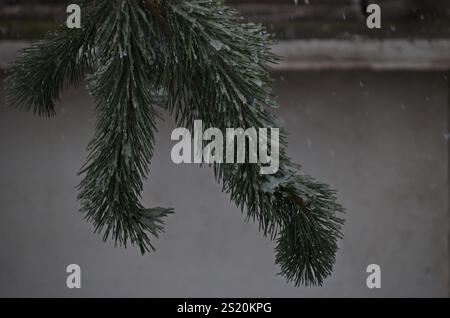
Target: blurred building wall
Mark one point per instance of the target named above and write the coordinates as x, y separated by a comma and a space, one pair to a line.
379, 138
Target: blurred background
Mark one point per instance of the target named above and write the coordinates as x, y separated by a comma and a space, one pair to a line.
367, 111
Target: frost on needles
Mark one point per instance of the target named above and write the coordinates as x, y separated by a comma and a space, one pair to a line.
197, 60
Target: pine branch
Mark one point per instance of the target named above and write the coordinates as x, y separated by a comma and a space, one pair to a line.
42, 71
123, 145
227, 64
209, 66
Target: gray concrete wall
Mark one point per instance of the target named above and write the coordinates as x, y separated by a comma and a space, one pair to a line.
379, 138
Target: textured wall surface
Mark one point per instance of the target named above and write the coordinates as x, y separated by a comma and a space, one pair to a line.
379, 138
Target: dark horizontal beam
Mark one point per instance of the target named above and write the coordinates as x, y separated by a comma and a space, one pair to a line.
277, 11
265, 9
308, 20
